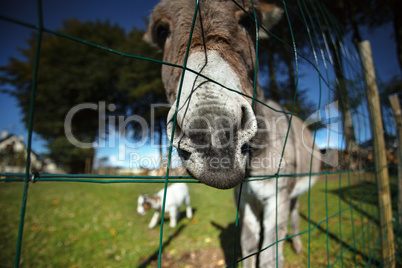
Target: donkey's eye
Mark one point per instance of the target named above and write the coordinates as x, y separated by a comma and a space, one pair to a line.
247, 23
162, 32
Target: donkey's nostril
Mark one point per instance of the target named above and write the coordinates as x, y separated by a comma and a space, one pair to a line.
243, 120
247, 117
248, 125
245, 149
184, 155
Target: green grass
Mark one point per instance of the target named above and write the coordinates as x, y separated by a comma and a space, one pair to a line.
343, 224
96, 225
92, 225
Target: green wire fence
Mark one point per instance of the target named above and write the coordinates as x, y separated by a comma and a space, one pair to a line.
355, 185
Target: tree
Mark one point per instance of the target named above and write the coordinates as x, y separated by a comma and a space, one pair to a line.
277, 59
71, 157
144, 77
73, 73
375, 13
389, 88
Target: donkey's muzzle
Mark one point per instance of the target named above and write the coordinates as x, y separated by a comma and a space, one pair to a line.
211, 135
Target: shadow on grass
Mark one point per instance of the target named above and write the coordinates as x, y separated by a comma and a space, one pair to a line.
336, 238
154, 256
366, 192
226, 238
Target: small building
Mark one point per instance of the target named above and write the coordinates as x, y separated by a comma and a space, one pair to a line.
13, 154
132, 172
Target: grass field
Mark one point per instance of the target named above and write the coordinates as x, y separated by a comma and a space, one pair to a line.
96, 225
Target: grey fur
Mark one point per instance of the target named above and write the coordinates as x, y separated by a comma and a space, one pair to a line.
220, 138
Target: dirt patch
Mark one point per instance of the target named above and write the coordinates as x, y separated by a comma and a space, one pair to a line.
203, 258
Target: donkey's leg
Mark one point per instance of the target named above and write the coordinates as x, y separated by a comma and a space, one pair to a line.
154, 220
250, 234
294, 225
273, 232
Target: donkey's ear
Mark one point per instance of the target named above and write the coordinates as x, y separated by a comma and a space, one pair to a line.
271, 14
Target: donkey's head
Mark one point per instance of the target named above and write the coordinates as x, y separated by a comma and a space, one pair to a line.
215, 122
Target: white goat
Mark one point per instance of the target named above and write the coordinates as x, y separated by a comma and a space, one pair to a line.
177, 196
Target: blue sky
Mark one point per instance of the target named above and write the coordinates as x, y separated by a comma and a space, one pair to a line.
128, 14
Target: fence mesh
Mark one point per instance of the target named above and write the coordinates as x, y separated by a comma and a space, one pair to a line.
340, 211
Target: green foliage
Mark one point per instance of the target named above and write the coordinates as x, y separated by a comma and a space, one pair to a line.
72, 73
277, 60
71, 157
144, 76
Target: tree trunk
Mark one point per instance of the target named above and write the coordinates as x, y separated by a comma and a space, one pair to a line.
357, 38
396, 110
348, 128
397, 7
273, 85
288, 59
88, 165
291, 75
160, 144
